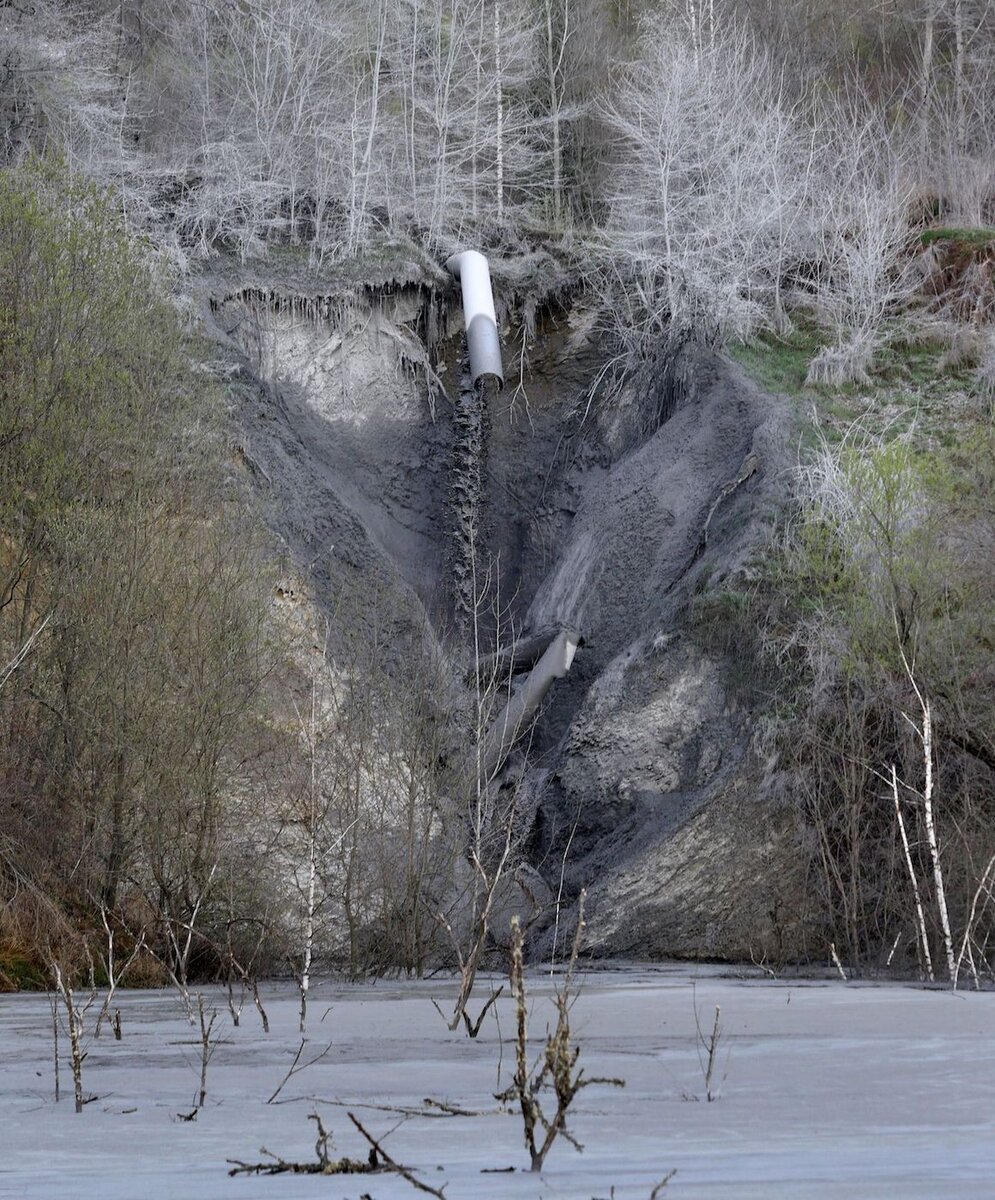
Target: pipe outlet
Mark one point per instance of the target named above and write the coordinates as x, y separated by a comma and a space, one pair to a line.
514, 719
471, 269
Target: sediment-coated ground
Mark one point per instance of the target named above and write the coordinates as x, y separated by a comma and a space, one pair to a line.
825, 1089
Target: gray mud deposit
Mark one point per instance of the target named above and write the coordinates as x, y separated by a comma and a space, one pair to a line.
606, 517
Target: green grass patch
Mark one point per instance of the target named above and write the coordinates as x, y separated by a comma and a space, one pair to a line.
780, 364
965, 237
913, 387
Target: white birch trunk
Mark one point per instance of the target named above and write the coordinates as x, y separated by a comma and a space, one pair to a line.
312, 863
934, 850
920, 914
308, 930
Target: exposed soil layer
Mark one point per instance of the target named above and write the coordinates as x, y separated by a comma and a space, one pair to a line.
600, 507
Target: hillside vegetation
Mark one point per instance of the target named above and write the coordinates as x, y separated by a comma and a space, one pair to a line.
132, 609
707, 162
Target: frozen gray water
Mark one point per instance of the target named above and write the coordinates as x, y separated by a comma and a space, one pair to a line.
827, 1090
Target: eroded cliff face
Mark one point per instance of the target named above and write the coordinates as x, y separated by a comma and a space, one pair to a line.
605, 508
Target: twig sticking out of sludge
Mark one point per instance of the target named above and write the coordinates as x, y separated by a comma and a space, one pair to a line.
377, 1149
323, 1165
378, 1162
278, 1166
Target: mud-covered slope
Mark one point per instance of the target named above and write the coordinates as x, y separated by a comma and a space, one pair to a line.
603, 509
656, 802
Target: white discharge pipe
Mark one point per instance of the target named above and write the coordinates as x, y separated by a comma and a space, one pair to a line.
524, 704
471, 269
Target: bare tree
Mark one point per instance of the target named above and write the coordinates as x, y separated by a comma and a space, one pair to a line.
491, 819
311, 817
862, 243
207, 1047
920, 914
712, 192
75, 1017
557, 32
114, 970
559, 1058
926, 735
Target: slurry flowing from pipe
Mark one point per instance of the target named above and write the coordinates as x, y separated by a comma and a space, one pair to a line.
485, 363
